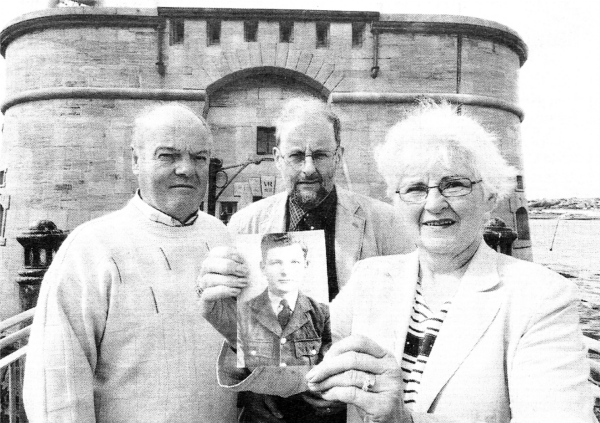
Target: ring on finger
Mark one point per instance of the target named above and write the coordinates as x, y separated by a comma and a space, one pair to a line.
368, 383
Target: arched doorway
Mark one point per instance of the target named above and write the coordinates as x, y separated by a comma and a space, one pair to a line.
241, 113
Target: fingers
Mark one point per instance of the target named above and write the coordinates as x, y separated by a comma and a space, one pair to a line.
259, 408
228, 263
357, 343
272, 406
351, 360
357, 379
321, 406
378, 406
219, 292
224, 274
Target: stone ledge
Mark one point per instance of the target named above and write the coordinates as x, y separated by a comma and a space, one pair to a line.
464, 99
55, 93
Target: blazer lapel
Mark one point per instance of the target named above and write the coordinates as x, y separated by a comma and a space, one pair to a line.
349, 233
402, 294
472, 311
273, 219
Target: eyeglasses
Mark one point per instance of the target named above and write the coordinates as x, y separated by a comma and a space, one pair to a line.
298, 158
448, 187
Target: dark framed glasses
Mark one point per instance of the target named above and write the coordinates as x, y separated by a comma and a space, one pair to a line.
448, 187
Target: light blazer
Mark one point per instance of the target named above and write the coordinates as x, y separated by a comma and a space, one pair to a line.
509, 350
364, 227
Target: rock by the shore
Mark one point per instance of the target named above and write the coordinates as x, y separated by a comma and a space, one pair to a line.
565, 208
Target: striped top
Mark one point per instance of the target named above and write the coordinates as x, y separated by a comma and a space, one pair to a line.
422, 332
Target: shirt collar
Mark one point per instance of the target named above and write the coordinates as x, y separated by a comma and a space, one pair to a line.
275, 300
158, 216
325, 209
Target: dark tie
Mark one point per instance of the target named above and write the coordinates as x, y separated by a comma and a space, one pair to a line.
285, 314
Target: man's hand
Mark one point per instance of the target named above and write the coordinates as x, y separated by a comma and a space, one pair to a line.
259, 408
321, 406
224, 274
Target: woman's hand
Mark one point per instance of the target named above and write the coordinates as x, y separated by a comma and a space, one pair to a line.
358, 371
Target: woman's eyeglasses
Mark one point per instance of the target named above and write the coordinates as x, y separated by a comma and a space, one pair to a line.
448, 187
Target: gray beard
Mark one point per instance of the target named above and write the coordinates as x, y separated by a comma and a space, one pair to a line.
309, 200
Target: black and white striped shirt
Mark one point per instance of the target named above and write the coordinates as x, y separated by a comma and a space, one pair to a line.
422, 332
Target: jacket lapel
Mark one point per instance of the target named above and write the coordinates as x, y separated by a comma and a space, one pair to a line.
261, 308
299, 315
402, 293
349, 233
472, 311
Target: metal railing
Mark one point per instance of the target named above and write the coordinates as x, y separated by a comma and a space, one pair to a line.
12, 360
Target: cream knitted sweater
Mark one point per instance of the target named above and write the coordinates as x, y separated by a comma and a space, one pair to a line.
117, 335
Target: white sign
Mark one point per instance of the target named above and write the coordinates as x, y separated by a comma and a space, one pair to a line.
238, 188
255, 187
268, 185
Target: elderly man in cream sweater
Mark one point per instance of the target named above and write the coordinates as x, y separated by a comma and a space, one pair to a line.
116, 335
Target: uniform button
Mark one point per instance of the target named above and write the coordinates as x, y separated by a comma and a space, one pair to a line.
313, 352
283, 341
253, 352
282, 365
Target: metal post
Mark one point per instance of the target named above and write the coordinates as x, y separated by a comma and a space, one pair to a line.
40, 242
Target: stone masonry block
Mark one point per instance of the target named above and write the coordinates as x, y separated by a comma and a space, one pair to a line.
292, 58
325, 72
255, 56
334, 79
243, 56
282, 54
315, 65
268, 53
232, 60
304, 62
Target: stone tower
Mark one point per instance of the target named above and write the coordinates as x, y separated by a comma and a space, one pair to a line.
77, 76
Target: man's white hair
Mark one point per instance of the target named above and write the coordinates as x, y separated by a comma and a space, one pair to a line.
436, 134
165, 114
305, 109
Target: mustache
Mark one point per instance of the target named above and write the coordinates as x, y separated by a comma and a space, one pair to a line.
309, 180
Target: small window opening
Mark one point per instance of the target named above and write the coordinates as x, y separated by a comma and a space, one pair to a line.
286, 32
177, 31
358, 31
322, 34
213, 32
265, 140
250, 31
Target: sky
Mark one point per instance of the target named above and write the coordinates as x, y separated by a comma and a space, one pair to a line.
558, 85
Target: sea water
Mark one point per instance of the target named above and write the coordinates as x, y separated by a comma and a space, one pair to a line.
572, 247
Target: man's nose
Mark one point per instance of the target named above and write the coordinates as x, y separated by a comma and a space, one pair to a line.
185, 165
308, 168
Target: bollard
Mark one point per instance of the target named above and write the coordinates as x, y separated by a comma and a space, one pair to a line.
40, 241
498, 236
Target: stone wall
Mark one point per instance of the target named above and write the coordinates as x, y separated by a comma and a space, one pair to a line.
76, 77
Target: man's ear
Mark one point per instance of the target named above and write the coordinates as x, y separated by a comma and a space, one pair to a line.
339, 155
278, 158
135, 167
